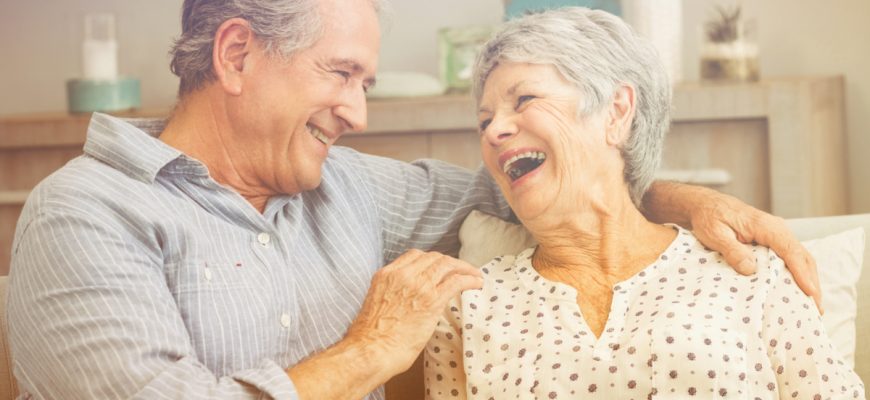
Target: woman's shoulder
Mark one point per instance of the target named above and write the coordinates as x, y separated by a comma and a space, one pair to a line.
504, 266
710, 263
500, 274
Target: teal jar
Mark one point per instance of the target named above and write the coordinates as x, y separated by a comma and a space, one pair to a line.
89, 95
514, 8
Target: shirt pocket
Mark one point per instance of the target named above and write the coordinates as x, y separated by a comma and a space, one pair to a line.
223, 304
214, 276
698, 360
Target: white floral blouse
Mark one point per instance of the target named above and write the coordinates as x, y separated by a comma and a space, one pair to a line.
685, 326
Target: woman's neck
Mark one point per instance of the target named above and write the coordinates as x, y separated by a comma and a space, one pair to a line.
615, 243
595, 250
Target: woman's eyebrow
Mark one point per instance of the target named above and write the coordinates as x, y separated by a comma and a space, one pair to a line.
511, 91
516, 86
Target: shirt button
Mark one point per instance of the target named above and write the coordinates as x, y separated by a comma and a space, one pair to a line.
264, 238
207, 274
285, 320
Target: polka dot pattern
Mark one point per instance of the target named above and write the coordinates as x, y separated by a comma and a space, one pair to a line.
687, 326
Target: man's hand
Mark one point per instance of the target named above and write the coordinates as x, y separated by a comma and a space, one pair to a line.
400, 312
725, 224
405, 301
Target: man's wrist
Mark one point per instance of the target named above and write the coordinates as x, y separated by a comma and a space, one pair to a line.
374, 352
677, 202
349, 369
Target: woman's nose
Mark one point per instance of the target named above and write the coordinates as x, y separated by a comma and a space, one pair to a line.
500, 130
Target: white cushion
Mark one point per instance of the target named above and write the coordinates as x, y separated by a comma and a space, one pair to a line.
839, 258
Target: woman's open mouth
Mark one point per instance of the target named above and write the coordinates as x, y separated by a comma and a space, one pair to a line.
521, 164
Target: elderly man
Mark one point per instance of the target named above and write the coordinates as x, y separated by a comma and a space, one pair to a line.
233, 253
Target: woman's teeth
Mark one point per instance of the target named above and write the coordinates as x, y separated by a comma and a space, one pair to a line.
531, 160
318, 134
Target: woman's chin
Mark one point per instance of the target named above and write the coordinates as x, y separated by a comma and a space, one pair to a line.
530, 211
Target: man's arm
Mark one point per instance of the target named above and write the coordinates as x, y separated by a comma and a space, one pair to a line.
725, 224
422, 205
90, 316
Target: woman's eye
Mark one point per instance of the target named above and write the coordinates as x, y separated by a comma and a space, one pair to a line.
523, 99
484, 124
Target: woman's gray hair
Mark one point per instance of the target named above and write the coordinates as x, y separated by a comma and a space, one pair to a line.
284, 26
597, 52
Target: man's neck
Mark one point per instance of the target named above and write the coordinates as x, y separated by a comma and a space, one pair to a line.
200, 128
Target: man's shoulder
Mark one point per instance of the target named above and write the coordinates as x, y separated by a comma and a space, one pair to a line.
84, 183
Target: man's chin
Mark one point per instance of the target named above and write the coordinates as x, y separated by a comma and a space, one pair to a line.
312, 183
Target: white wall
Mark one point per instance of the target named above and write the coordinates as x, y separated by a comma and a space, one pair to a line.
39, 44
803, 37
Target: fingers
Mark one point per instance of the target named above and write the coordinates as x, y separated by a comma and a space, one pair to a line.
777, 236
447, 275
432, 265
736, 254
446, 266
802, 266
456, 284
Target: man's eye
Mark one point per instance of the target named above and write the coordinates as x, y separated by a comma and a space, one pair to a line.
343, 74
484, 124
523, 99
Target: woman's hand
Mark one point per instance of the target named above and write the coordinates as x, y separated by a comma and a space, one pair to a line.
725, 224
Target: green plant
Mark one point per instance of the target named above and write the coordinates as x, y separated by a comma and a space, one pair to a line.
725, 27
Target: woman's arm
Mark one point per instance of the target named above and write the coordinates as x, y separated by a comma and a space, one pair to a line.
806, 363
725, 224
443, 369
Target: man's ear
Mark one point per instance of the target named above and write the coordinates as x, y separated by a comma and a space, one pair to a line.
620, 115
233, 42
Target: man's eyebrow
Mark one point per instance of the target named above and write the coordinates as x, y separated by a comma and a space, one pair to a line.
355, 68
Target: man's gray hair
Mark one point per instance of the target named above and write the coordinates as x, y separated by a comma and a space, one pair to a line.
284, 26
597, 52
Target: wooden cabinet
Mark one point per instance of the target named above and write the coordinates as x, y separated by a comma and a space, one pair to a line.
778, 145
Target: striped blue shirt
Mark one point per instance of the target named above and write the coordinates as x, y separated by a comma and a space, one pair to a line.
136, 275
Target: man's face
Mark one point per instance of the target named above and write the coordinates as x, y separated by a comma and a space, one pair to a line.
290, 112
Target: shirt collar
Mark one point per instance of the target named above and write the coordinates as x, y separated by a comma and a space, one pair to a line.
131, 146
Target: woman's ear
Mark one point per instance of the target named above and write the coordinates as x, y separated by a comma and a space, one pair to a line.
621, 115
233, 42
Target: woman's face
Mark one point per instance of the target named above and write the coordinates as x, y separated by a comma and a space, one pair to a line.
545, 157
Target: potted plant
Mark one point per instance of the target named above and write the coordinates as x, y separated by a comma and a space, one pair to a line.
729, 51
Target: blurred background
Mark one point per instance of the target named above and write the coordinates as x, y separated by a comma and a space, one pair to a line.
41, 45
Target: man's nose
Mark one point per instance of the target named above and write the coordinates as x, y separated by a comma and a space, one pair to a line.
353, 110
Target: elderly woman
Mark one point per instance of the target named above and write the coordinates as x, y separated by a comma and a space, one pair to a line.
573, 108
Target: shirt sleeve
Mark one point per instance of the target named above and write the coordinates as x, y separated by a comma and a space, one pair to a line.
422, 204
443, 369
90, 317
804, 360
